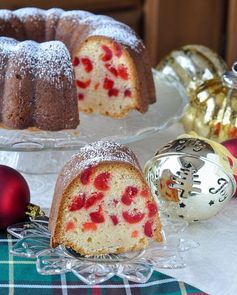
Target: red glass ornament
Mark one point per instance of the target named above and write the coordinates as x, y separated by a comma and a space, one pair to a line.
14, 196
231, 145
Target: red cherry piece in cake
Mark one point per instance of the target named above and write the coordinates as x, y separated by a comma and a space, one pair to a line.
89, 226
114, 219
76, 61
96, 86
148, 231
133, 217
77, 202
81, 96
82, 84
108, 83
90, 202
135, 234
127, 93
86, 174
145, 193
111, 69
107, 53
101, 181
152, 209
97, 216
123, 72
131, 191
94, 198
129, 194
113, 92
117, 49
70, 225
87, 63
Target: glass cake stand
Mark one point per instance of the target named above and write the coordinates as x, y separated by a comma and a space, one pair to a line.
171, 100
33, 241
39, 155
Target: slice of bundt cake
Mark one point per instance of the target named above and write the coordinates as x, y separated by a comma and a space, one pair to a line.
106, 79
102, 203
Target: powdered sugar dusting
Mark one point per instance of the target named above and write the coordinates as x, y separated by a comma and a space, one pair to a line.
98, 24
106, 26
94, 20
54, 63
23, 56
6, 14
6, 47
30, 12
49, 61
107, 150
52, 17
54, 12
76, 15
120, 33
6, 44
95, 153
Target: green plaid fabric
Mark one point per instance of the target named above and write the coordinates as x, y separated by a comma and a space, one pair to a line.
19, 276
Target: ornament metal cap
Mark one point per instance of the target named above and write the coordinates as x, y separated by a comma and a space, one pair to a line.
35, 212
191, 178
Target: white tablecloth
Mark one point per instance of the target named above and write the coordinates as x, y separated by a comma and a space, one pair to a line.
211, 266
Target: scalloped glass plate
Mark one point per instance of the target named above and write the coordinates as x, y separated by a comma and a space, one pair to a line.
34, 242
171, 100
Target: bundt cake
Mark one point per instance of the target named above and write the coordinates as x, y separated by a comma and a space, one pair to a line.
111, 66
102, 203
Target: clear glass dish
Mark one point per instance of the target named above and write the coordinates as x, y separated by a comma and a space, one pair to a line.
171, 100
34, 242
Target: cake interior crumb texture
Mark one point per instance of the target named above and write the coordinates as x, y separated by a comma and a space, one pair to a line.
99, 218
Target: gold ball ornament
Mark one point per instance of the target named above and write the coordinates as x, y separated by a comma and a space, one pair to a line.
191, 65
191, 178
212, 110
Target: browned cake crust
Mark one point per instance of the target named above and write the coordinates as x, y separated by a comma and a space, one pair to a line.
73, 28
102, 155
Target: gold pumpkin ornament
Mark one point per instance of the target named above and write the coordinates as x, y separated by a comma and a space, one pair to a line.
191, 65
212, 111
